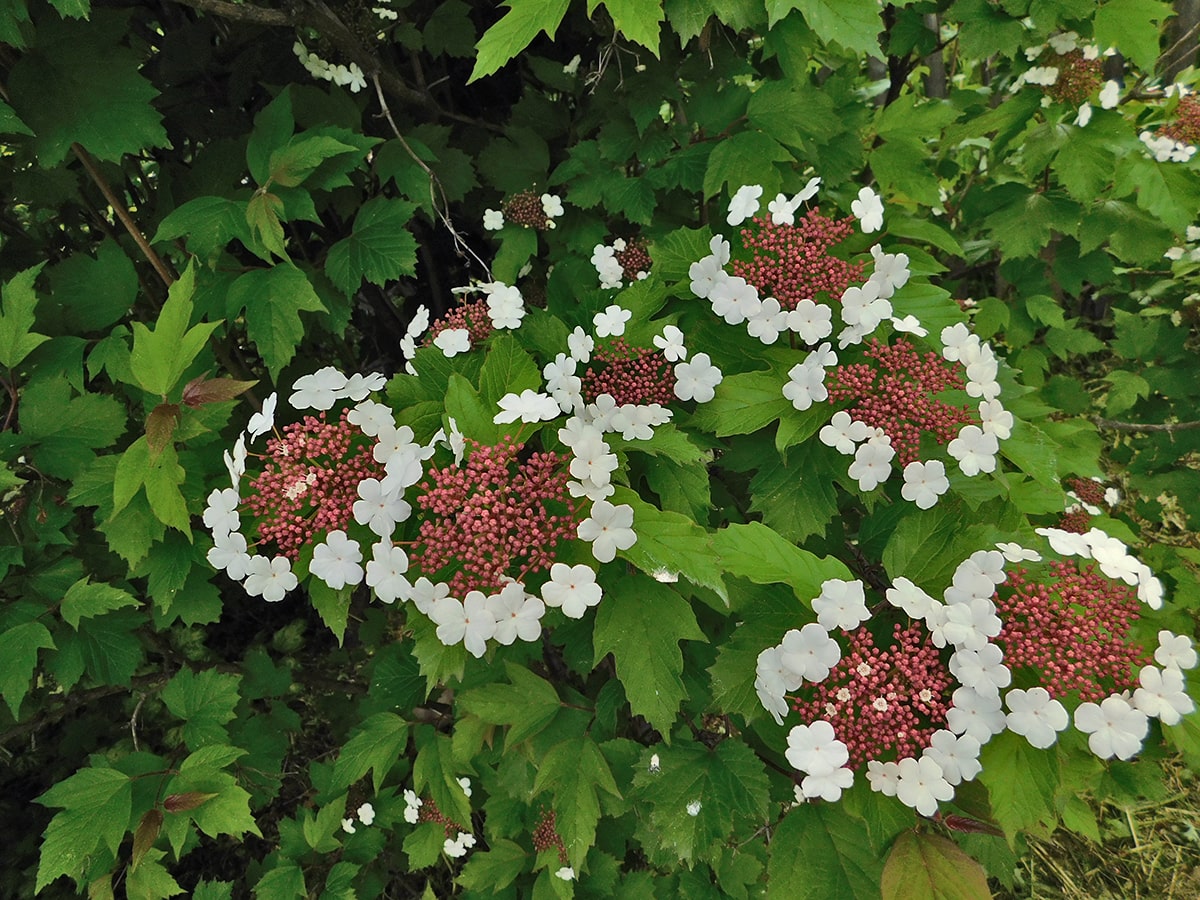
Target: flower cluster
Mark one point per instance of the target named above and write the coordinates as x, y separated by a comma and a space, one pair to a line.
527, 209
916, 713
350, 76
418, 810
614, 261
1177, 140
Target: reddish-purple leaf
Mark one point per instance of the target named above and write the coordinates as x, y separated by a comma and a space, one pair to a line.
970, 826
203, 390
146, 834
183, 802
160, 425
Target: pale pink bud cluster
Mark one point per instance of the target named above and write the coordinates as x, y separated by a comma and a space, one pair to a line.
898, 392
793, 263
882, 703
497, 517
1071, 631
470, 317
309, 484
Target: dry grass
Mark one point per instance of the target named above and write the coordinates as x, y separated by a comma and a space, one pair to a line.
1148, 852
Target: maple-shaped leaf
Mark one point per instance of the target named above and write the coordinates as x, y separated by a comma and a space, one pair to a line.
379, 249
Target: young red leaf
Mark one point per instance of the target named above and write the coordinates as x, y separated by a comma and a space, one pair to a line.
160, 425
183, 802
213, 390
146, 834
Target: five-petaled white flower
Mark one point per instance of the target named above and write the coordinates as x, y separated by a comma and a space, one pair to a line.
697, 380
1163, 695
229, 553
336, 561
670, 342
1114, 727
744, 203
924, 483
517, 614
869, 210
1175, 651
271, 579
319, 391
975, 450
529, 406
386, 573
872, 462
552, 205
815, 748
843, 434
611, 322
921, 784
608, 529
810, 652
571, 588
1036, 716
453, 341
493, 219
841, 604
469, 623
262, 422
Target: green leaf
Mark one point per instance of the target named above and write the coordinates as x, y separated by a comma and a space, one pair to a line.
332, 606
928, 545
517, 246
527, 705
159, 357
513, 33
66, 429
854, 24
743, 404
18, 659
671, 542
17, 302
1133, 27
931, 867
638, 20
674, 254
10, 122
273, 300
84, 600
576, 771
205, 701
434, 771
55, 90
494, 869
95, 806
376, 745
819, 852
473, 416
291, 164
797, 498
151, 880
748, 157
1021, 782
507, 369
273, 126
263, 216
92, 294
208, 224
729, 782
641, 622
284, 882
380, 248
755, 552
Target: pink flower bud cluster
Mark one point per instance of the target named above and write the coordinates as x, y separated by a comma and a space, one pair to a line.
1078, 78
429, 812
1077, 521
882, 702
310, 482
472, 317
793, 263
546, 836
898, 393
494, 518
634, 259
634, 375
1071, 631
1186, 127
527, 210
1088, 491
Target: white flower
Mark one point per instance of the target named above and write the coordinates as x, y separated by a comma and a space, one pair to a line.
975, 450
744, 203
910, 325
781, 210
386, 573
812, 321
770, 695
371, 418
505, 305
336, 562
1162, 694
469, 623
517, 614
611, 322
1014, 552
530, 406
1066, 543
705, 274
872, 463
921, 784
809, 652
924, 483
573, 66
262, 422
412, 807
655, 767
493, 219
957, 339
693, 808
958, 757
768, 322
271, 579
1036, 716
1114, 727
320, 390
864, 306
807, 192
843, 433
592, 459
697, 380
827, 786
566, 873
869, 210
806, 384
359, 385
235, 463
891, 271
609, 529
976, 714
465, 783
552, 205
815, 748
841, 604
580, 344
571, 588
996, 419
381, 506
453, 341
348, 826
1110, 95
1063, 42
221, 513
366, 813
982, 669
1084, 115
457, 847
229, 553
1175, 651
883, 776
905, 595
670, 342
735, 300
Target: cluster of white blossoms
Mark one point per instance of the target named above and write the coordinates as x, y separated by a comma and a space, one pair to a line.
505, 309
366, 815
552, 208
455, 847
1112, 557
966, 621
1164, 148
1190, 253
350, 76
609, 268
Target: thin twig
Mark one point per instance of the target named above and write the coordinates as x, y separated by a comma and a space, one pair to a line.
240, 12
436, 191
1112, 425
122, 213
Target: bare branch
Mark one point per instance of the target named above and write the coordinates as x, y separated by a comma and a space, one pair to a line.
240, 12
1111, 425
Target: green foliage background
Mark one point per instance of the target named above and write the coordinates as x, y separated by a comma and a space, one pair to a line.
184, 202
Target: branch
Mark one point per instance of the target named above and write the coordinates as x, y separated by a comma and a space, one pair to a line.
1111, 425
240, 12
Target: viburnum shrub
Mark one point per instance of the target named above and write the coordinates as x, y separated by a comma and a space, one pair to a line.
693, 462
